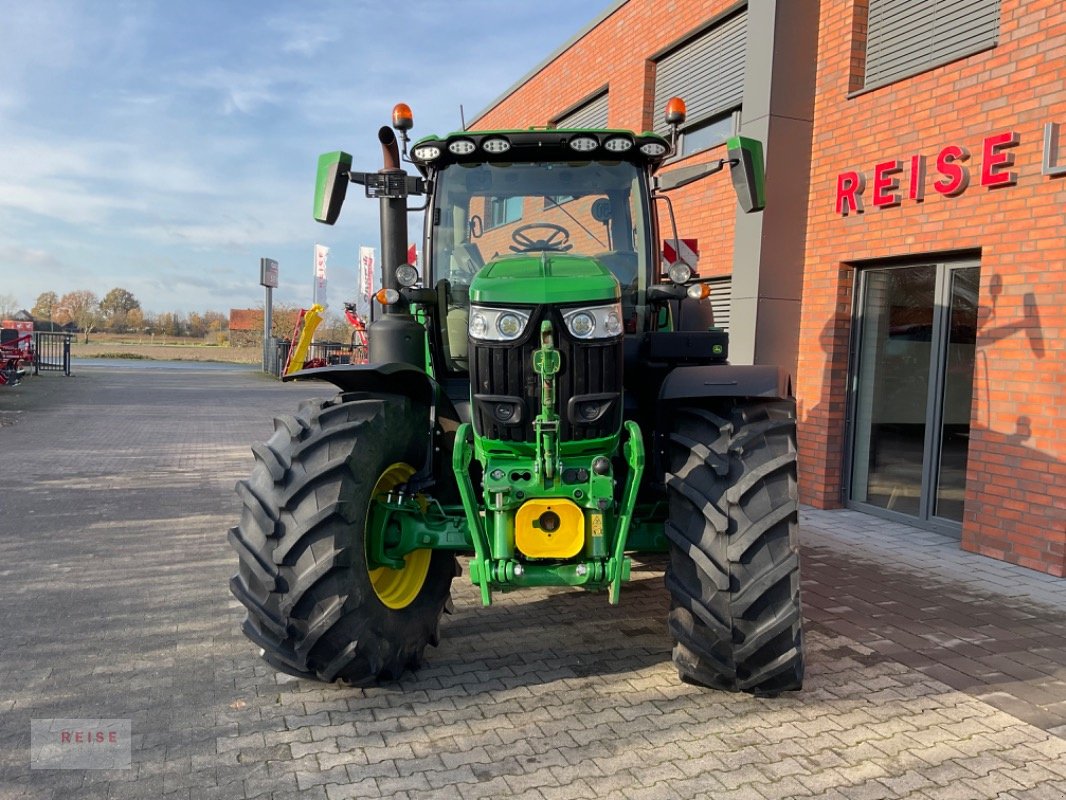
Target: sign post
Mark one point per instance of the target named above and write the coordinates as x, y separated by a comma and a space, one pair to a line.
268, 278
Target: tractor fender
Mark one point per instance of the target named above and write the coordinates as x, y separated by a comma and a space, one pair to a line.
725, 380
408, 381
693, 383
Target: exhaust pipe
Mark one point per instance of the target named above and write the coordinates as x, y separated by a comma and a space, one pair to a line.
390, 151
393, 219
396, 336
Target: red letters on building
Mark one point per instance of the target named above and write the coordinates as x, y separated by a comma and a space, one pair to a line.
993, 158
956, 175
885, 186
916, 190
850, 186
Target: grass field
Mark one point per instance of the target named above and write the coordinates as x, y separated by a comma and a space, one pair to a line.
170, 349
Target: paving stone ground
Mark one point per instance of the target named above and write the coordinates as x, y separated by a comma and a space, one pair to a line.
932, 673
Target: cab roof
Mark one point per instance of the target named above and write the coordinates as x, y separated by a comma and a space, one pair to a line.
539, 144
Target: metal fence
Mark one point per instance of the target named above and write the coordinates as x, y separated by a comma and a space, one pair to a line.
281, 355
328, 353
51, 352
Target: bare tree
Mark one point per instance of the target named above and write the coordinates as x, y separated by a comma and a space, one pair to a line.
283, 320
46, 303
81, 307
9, 304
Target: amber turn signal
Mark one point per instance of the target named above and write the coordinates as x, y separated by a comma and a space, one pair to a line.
387, 297
699, 291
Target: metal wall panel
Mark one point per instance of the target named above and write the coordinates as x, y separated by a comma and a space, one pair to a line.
706, 72
592, 114
721, 299
906, 37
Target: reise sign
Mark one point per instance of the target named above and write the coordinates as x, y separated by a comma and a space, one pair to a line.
952, 168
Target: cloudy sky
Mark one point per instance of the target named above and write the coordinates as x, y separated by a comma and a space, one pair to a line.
164, 147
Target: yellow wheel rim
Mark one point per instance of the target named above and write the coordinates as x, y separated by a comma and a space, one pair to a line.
398, 588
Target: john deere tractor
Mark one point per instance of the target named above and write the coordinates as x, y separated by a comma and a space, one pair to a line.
541, 399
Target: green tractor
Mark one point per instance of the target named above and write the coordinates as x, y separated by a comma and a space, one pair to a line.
544, 400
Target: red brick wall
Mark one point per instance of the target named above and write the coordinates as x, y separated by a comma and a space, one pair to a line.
616, 54
1016, 481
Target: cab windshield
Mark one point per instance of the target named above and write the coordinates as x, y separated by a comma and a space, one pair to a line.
592, 208
486, 211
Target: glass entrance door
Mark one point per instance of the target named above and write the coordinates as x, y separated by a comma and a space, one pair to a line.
956, 396
912, 385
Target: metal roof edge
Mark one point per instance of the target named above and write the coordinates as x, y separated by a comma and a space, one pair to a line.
514, 87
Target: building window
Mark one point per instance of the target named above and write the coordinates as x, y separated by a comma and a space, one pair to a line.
504, 210
707, 72
588, 114
708, 133
908, 37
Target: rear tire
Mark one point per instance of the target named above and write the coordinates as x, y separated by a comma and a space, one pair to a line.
733, 574
313, 606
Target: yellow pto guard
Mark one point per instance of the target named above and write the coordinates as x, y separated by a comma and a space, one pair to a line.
550, 528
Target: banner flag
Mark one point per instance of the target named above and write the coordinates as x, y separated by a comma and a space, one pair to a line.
366, 272
318, 294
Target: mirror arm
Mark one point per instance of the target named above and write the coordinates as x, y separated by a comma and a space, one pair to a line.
686, 175
422, 296
658, 292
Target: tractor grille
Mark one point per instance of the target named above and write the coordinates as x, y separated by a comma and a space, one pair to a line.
502, 375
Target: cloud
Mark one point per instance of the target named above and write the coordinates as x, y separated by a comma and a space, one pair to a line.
31, 258
225, 235
236, 91
303, 38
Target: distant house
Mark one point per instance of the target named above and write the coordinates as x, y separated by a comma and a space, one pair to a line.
245, 326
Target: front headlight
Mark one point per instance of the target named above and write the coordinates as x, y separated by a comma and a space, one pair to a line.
497, 324
680, 273
594, 322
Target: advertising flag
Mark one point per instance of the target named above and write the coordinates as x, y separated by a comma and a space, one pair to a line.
366, 272
321, 253
319, 293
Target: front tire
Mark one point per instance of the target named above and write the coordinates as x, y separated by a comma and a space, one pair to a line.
314, 607
733, 574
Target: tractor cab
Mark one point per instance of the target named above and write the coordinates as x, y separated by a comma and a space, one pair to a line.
557, 203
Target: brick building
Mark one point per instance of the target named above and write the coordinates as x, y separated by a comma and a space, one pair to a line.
910, 266
246, 327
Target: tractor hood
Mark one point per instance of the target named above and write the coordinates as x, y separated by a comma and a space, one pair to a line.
536, 279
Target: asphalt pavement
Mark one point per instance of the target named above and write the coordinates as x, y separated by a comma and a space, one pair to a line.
931, 673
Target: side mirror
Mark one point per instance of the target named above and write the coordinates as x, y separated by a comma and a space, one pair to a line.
331, 185
748, 172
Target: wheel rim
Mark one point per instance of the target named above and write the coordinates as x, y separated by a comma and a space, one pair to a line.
398, 588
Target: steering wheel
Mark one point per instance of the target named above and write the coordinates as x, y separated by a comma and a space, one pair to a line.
555, 241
